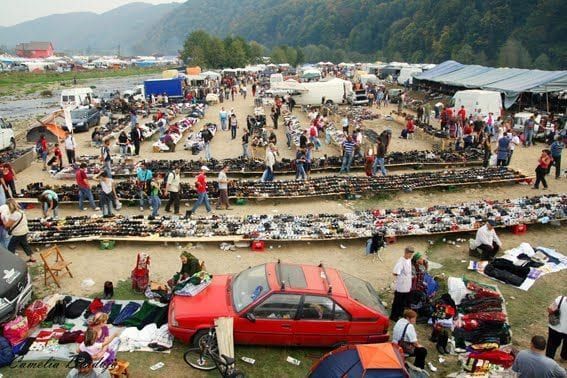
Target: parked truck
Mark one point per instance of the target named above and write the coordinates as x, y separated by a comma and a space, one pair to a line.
171, 87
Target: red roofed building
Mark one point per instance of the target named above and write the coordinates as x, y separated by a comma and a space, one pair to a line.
34, 50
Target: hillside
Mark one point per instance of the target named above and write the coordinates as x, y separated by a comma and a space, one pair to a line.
485, 32
86, 32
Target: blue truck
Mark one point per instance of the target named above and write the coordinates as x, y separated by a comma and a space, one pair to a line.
172, 87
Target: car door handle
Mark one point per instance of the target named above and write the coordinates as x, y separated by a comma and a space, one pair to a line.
287, 326
340, 327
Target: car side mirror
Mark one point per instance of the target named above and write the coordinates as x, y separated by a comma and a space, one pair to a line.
250, 316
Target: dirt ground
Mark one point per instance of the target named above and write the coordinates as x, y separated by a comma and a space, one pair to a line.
88, 262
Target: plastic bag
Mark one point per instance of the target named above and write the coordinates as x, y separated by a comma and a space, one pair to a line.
16, 330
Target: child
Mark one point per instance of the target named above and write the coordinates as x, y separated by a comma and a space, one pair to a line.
99, 351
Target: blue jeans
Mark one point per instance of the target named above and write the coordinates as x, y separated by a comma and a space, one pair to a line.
327, 138
46, 209
143, 197
106, 203
233, 132
108, 168
207, 151
203, 198
315, 142
123, 149
268, 175
245, 152
288, 138
368, 246
224, 124
529, 134
86, 193
378, 162
300, 171
347, 161
155, 203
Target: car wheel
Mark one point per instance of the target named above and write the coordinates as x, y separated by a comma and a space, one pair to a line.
338, 345
200, 338
329, 102
12, 144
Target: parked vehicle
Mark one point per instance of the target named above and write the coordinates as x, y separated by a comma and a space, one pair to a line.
84, 118
7, 138
284, 304
173, 88
138, 94
74, 97
522, 117
358, 98
479, 102
333, 91
276, 79
15, 285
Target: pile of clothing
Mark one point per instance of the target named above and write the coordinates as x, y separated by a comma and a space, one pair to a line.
195, 141
175, 131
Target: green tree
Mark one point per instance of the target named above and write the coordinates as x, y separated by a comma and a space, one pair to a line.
463, 54
216, 54
514, 54
195, 47
278, 55
542, 62
236, 54
256, 51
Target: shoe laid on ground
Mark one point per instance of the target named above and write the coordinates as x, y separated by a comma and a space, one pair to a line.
431, 367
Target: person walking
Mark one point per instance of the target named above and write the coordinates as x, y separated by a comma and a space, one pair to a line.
70, 148
107, 194
503, 151
84, 188
379, 159
533, 363
155, 201
542, 169
557, 332
136, 136
223, 189
202, 191
405, 336
270, 161
314, 136
274, 116
348, 154
487, 149
233, 123
556, 148
172, 187
514, 141
245, 143
144, 178
223, 116
9, 177
300, 160
49, 201
403, 273
42, 150
17, 226
529, 126
207, 136
123, 143
106, 158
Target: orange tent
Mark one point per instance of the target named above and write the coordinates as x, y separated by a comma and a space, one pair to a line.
363, 360
193, 70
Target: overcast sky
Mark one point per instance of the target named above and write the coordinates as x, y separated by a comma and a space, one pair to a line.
15, 11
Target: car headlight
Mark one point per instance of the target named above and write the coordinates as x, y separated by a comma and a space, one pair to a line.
80, 124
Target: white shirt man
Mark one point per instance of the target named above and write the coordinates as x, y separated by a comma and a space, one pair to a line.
487, 241
402, 272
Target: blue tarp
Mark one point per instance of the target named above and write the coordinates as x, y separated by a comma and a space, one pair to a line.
525, 82
491, 76
440, 69
457, 77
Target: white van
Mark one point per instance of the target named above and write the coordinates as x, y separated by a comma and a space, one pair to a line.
7, 139
479, 102
76, 97
334, 91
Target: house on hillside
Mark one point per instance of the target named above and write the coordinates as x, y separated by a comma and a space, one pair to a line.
35, 50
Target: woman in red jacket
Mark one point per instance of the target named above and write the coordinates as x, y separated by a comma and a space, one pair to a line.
542, 168
9, 178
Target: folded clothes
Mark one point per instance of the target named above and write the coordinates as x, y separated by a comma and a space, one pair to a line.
114, 311
126, 313
497, 357
145, 315
76, 308
486, 317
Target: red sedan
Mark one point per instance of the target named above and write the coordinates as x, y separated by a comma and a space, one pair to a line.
284, 304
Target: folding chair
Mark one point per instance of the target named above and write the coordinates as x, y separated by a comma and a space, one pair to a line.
58, 266
378, 255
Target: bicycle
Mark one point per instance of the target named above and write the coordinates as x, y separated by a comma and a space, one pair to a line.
206, 357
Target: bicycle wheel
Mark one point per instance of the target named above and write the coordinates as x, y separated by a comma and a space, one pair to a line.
237, 374
199, 360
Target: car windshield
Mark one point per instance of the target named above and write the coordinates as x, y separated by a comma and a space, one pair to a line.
248, 286
79, 114
361, 291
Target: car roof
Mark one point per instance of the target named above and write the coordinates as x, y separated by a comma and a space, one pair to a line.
318, 279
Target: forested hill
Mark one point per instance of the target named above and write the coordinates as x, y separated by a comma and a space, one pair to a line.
521, 33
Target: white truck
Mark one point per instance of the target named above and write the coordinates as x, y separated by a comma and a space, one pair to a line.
74, 97
479, 102
333, 91
7, 138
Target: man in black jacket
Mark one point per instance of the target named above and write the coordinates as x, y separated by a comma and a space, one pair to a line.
136, 136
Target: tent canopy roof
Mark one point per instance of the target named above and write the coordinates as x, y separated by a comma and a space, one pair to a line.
440, 69
531, 81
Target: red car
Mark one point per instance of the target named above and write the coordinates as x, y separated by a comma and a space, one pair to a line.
284, 304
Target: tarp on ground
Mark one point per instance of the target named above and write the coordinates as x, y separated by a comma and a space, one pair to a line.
440, 69
491, 76
456, 78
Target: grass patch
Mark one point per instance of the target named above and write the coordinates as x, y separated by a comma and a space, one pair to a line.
12, 82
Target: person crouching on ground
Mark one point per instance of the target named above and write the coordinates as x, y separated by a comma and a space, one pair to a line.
487, 241
405, 336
